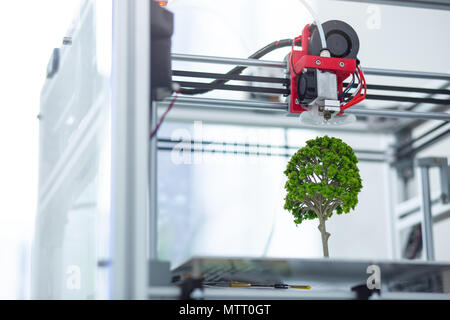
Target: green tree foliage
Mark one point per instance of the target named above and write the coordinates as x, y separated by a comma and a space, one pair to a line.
323, 178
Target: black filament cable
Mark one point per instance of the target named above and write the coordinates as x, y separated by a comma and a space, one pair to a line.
238, 69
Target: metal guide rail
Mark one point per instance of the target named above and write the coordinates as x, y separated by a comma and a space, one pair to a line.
252, 149
281, 86
283, 107
316, 278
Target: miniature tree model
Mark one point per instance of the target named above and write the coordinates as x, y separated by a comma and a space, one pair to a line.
323, 178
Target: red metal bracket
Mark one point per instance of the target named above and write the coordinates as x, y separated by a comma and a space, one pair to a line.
299, 60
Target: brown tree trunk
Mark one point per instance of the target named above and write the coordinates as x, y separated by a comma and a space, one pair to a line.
325, 236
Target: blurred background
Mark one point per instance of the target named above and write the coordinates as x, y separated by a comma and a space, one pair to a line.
55, 177
29, 32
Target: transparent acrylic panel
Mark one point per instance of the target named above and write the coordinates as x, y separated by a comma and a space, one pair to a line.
226, 194
71, 248
231, 28
230, 202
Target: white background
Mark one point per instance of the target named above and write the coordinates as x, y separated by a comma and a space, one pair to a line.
29, 30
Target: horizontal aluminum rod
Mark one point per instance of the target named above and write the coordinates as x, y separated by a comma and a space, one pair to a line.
277, 64
426, 4
283, 107
406, 74
399, 114
211, 293
231, 61
226, 103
